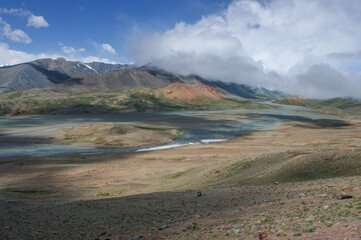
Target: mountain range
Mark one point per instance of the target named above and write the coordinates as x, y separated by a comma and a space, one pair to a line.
62, 75
46, 72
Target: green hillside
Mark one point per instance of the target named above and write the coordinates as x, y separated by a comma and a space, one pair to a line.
48, 101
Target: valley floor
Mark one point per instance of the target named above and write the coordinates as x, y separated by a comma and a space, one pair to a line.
286, 182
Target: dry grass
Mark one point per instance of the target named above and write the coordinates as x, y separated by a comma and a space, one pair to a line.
116, 135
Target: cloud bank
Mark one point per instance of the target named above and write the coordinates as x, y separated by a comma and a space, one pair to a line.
304, 47
10, 56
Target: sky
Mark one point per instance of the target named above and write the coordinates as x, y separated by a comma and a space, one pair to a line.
303, 47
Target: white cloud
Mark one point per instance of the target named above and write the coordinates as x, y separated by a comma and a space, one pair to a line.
33, 21
281, 44
70, 50
96, 59
19, 35
37, 21
15, 35
108, 48
15, 11
10, 57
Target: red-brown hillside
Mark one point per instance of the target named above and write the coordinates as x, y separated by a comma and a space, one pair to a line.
299, 101
188, 92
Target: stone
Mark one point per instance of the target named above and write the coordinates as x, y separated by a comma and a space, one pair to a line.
326, 207
164, 226
302, 195
199, 194
190, 226
344, 196
263, 219
262, 235
235, 231
310, 219
347, 189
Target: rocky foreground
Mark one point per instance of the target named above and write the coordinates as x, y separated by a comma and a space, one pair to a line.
322, 209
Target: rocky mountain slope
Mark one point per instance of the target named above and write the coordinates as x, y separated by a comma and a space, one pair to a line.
27, 76
122, 78
46, 72
101, 67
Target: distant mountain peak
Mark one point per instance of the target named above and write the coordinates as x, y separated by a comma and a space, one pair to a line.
45, 72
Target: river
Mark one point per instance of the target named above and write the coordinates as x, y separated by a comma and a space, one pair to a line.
200, 127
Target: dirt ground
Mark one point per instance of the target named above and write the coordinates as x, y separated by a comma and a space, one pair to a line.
286, 182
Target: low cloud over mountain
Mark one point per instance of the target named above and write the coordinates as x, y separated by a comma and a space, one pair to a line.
295, 46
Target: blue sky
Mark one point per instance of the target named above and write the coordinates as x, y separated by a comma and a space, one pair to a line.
87, 24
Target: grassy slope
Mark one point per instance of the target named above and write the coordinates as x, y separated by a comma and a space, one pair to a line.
337, 106
46, 101
348, 104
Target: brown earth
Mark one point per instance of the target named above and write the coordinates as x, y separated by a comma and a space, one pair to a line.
285, 182
298, 101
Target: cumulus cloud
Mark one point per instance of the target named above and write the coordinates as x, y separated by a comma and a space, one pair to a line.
15, 35
37, 21
296, 46
107, 48
70, 50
